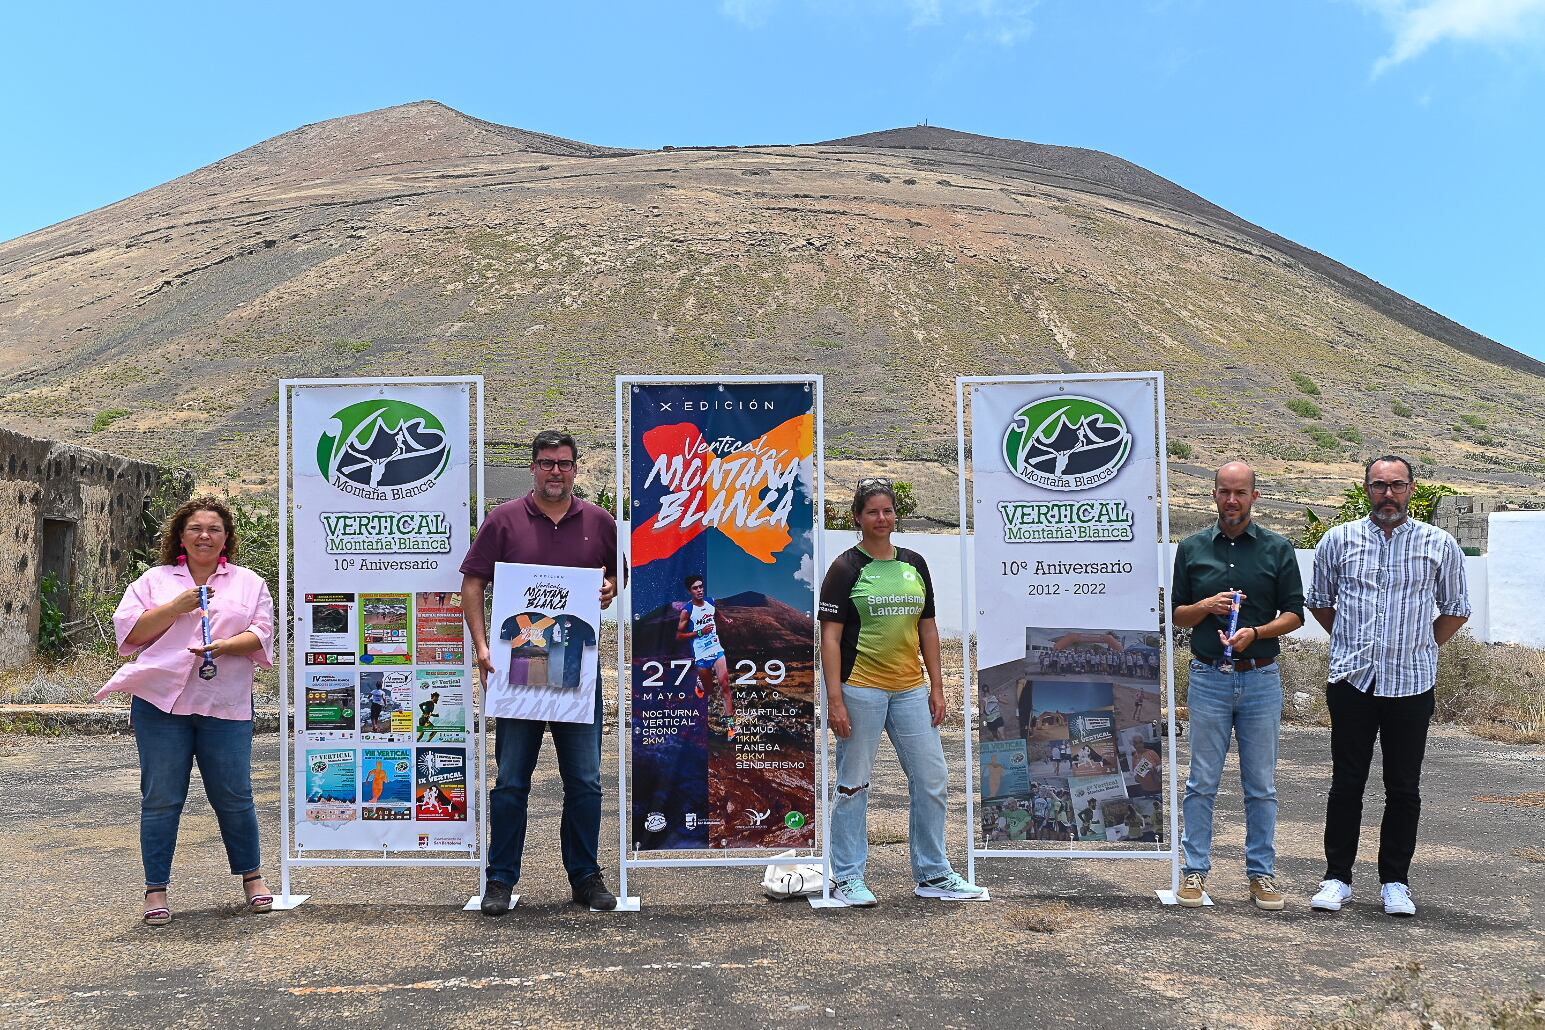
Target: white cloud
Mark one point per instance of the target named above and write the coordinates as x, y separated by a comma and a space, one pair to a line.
750, 13
806, 573
1419, 25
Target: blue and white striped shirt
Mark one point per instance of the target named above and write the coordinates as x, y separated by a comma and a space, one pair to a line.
1385, 590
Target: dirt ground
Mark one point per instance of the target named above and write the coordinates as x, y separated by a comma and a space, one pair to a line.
1061, 944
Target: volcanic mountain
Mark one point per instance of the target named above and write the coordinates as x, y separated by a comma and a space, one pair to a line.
417, 240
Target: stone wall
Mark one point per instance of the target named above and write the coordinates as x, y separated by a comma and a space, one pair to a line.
78, 512
1467, 519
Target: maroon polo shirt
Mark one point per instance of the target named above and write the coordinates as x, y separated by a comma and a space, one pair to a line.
519, 531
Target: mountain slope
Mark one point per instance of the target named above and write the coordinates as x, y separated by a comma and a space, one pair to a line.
416, 240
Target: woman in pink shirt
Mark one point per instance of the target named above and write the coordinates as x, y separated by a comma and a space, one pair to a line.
179, 717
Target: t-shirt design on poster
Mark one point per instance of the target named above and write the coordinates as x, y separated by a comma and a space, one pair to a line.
544, 654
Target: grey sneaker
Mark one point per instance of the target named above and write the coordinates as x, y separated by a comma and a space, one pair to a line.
951, 886
854, 894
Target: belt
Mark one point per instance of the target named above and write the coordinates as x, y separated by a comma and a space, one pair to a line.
1246, 664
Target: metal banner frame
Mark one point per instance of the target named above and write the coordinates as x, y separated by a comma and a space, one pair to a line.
969, 622
476, 756
627, 857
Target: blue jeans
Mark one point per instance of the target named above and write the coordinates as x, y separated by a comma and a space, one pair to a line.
904, 715
168, 745
517, 742
1248, 705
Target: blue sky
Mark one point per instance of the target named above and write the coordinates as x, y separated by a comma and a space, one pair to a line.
1402, 137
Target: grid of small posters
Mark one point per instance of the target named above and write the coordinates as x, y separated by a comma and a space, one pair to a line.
384, 738
1071, 743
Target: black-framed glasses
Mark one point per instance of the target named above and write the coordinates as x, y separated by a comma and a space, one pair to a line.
1399, 486
561, 464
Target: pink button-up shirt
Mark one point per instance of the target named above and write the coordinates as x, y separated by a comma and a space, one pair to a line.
165, 673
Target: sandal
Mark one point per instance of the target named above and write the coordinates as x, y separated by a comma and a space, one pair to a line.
157, 916
257, 902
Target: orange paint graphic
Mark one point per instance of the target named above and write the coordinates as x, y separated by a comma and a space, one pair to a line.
727, 491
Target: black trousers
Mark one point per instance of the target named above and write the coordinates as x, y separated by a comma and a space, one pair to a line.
1400, 725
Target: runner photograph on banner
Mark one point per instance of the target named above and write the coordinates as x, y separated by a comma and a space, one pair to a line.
1069, 654
722, 634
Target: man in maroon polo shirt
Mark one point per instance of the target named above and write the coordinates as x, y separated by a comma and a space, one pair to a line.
549, 526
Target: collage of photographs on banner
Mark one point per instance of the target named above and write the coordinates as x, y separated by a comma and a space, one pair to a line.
1072, 743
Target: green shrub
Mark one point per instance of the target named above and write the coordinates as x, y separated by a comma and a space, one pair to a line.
107, 418
1304, 406
1472, 420
1322, 436
52, 643
1179, 449
1401, 410
1306, 384
1351, 434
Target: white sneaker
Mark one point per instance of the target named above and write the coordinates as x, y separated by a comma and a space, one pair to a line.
1332, 895
1397, 900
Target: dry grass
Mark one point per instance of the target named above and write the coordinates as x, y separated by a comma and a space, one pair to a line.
1530, 854
1534, 799
1497, 691
1405, 1002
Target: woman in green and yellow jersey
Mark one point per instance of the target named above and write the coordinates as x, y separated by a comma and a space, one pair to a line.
878, 635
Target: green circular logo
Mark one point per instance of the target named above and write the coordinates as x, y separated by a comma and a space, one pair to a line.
1066, 443
383, 443
794, 820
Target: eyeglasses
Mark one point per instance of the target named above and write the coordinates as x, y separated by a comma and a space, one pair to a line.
1399, 486
548, 464
871, 482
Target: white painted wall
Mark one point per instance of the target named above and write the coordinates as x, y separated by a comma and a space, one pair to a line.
1508, 605
1515, 577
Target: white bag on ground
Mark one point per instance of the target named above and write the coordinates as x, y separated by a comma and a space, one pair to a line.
783, 881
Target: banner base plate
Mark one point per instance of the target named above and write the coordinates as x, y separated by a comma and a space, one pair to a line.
285, 902
1168, 898
816, 901
624, 905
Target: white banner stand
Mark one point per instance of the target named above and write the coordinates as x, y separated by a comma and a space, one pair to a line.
629, 858
286, 899
969, 613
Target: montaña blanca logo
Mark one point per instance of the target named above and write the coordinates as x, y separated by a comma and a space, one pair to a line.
385, 450
1066, 443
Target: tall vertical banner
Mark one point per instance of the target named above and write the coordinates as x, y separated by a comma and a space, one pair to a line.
385, 754
1070, 739
722, 481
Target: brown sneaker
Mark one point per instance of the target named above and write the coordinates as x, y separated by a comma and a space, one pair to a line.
1192, 890
1265, 893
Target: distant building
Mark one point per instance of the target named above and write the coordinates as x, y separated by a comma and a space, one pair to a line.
78, 515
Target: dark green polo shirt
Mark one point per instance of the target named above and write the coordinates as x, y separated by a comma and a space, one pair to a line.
1259, 562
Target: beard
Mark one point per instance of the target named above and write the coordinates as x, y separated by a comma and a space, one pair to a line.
1389, 512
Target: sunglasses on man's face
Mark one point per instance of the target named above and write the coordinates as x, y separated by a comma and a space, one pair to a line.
548, 464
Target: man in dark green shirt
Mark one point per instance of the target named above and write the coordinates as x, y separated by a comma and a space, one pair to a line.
1235, 557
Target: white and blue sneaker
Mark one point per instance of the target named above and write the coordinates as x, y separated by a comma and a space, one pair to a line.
854, 894
1331, 896
951, 887
1397, 900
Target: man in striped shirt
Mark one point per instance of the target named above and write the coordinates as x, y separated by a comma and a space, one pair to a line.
1389, 591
